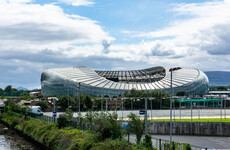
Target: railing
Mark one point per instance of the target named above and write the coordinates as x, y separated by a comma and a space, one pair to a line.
160, 144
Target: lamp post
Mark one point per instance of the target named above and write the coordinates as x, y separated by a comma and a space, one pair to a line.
79, 102
171, 108
146, 116
68, 97
122, 107
171, 70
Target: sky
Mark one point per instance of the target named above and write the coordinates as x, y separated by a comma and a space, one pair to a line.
110, 35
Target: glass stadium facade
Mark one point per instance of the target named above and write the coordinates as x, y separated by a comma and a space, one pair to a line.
62, 81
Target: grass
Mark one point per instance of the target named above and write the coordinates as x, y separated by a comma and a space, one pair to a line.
197, 120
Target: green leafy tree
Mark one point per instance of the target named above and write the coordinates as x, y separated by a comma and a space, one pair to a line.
43, 104
181, 93
88, 101
65, 119
147, 142
63, 101
82, 101
137, 126
8, 90
222, 88
1, 92
107, 125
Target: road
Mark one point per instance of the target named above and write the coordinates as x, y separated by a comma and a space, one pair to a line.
164, 114
199, 141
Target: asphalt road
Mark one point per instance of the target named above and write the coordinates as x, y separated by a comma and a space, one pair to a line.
196, 141
164, 114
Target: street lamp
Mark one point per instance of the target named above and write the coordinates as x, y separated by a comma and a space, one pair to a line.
171, 70
68, 97
79, 102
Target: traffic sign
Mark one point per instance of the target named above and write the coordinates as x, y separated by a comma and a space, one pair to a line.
125, 125
142, 112
54, 114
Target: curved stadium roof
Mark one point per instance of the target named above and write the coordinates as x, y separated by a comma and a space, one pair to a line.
155, 78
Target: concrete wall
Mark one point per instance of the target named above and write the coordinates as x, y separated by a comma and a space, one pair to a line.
184, 128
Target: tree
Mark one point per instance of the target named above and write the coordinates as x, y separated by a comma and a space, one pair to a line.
43, 105
181, 93
1, 92
8, 90
147, 142
82, 101
222, 88
88, 101
137, 126
64, 101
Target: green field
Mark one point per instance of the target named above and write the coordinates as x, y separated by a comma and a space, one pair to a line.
197, 120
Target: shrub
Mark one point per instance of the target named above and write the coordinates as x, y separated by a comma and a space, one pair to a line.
147, 142
137, 126
107, 126
112, 145
65, 119
187, 146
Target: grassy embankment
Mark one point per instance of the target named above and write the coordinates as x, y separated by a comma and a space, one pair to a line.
67, 138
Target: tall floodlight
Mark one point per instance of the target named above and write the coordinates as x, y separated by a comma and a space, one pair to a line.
79, 102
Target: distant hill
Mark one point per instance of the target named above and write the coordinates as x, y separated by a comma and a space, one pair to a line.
218, 78
22, 88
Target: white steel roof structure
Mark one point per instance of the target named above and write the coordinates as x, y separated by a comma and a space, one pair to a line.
58, 81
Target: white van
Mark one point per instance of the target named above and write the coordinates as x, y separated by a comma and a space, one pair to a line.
36, 110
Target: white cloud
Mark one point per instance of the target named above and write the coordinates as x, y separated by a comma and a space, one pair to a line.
77, 2
34, 37
26, 26
199, 39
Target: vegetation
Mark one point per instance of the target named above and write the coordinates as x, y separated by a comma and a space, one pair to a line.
88, 102
181, 93
43, 104
9, 91
160, 99
65, 101
137, 126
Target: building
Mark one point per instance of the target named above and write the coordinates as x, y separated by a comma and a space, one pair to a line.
62, 81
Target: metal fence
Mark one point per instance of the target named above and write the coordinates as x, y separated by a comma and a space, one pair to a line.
160, 144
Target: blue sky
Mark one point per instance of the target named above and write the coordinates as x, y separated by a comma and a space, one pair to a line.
110, 35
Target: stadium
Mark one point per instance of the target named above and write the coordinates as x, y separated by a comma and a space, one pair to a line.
71, 80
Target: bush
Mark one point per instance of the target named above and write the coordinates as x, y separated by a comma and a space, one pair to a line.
187, 146
112, 145
147, 142
137, 126
43, 104
107, 126
65, 119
